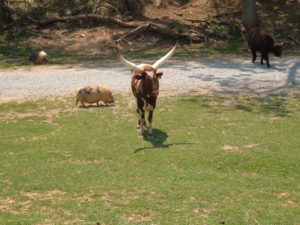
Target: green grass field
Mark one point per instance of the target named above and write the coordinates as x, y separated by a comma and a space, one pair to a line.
212, 161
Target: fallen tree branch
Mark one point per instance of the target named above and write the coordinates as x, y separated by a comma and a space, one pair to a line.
293, 39
137, 26
182, 7
196, 21
84, 17
164, 30
38, 34
188, 33
134, 31
112, 7
7, 27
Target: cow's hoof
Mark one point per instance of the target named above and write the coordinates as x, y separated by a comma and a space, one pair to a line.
141, 136
150, 136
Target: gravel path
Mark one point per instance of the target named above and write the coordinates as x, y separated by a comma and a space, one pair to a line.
216, 75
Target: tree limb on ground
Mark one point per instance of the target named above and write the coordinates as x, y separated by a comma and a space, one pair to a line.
186, 32
57, 19
137, 26
182, 7
178, 31
196, 21
293, 39
7, 27
134, 31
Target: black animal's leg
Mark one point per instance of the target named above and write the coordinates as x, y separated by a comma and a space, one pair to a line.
265, 56
262, 59
267, 59
150, 131
253, 55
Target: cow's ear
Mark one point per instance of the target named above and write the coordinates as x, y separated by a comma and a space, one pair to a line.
158, 75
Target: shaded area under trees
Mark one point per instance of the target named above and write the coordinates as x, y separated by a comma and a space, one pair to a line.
43, 13
129, 14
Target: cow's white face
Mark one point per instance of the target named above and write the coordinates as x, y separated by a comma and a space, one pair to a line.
148, 69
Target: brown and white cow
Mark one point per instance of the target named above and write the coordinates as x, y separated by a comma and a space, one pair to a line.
145, 88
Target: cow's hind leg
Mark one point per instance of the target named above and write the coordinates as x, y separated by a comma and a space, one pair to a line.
141, 122
262, 59
150, 131
265, 56
138, 126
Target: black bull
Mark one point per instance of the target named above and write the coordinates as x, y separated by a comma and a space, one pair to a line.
262, 40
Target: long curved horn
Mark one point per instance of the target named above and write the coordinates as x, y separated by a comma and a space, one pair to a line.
163, 59
128, 64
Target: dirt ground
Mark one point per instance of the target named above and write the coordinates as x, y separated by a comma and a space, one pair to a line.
98, 39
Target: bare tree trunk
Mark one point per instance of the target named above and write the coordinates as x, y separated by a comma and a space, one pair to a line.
132, 7
124, 6
249, 14
5, 16
157, 3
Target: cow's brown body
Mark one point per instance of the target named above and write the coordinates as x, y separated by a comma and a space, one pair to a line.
145, 88
262, 40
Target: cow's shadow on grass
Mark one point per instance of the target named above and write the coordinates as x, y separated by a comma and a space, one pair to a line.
158, 141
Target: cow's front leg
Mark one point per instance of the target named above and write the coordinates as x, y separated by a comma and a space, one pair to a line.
138, 125
150, 131
141, 122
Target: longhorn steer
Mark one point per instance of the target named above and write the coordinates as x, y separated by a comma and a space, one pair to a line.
145, 88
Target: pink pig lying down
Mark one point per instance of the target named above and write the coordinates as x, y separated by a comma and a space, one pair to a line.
94, 94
